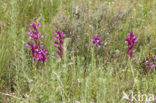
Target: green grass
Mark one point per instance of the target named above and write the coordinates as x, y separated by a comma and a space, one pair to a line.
84, 74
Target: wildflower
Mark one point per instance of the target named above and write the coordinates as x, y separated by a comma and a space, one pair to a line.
149, 64
38, 52
97, 41
152, 64
131, 40
59, 42
35, 33
155, 57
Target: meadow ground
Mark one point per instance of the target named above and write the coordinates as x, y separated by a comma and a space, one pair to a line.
85, 73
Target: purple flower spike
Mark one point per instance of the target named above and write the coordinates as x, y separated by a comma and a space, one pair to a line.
39, 54
155, 57
152, 64
97, 41
131, 40
149, 64
59, 43
34, 34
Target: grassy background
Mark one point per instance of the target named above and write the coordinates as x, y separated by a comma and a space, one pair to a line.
85, 74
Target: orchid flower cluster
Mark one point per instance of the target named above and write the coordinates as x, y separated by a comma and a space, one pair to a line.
149, 64
38, 52
59, 43
131, 40
97, 41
